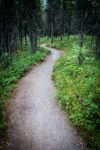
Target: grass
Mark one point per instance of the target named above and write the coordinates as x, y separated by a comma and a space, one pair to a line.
78, 87
10, 76
64, 45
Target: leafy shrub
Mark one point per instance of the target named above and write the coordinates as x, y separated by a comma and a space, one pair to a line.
78, 88
5, 59
79, 93
10, 76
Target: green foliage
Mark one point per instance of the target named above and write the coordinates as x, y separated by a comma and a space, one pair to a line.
79, 93
9, 77
78, 88
65, 45
43, 40
5, 59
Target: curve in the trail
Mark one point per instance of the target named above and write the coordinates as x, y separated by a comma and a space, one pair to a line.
37, 122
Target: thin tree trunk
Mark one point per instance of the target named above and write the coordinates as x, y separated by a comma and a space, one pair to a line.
25, 35
81, 39
31, 41
91, 45
52, 26
35, 41
81, 35
62, 23
52, 30
21, 38
69, 26
98, 46
80, 57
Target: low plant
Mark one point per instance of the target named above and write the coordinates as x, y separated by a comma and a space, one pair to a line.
9, 77
78, 87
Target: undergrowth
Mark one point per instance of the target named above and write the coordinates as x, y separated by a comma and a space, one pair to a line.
78, 87
9, 78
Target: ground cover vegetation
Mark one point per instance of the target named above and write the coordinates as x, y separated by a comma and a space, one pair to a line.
78, 87
77, 74
9, 78
20, 25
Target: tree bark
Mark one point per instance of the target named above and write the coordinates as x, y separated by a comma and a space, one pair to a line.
81, 34
98, 45
62, 23
52, 27
52, 30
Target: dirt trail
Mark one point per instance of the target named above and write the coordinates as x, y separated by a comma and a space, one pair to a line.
37, 122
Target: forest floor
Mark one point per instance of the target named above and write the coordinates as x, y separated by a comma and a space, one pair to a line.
36, 121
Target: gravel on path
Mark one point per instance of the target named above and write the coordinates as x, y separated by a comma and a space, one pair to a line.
37, 122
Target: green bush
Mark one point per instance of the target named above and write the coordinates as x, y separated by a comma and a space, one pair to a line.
10, 76
79, 93
78, 88
5, 59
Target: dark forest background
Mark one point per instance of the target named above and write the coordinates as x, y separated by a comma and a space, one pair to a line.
20, 19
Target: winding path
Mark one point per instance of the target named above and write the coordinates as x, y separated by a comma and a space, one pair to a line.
37, 122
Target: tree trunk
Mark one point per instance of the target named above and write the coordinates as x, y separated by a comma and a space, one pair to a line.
98, 45
81, 39
91, 42
25, 35
35, 41
81, 34
52, 26
21, 38
62, 23
31, 41
52, 30
69, 26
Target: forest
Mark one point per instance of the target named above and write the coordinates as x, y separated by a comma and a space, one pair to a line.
69, 25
